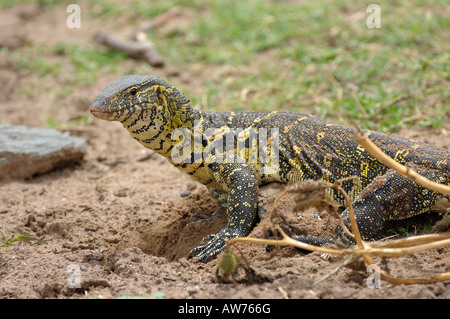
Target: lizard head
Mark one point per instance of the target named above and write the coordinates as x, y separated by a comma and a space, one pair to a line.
139, 98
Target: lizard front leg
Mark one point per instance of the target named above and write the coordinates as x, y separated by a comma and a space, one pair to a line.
239, 181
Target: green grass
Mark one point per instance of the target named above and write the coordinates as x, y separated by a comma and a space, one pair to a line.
8, 242
320, 57
79, 65
51, 122
411, 227
311, 56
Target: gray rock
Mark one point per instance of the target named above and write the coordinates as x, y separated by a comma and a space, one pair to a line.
25, 151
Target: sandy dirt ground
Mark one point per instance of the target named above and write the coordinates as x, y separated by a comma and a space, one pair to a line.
124, 224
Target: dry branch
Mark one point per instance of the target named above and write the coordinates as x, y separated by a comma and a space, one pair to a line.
364, 140
136, 49
139, 47
159, 20
443, 241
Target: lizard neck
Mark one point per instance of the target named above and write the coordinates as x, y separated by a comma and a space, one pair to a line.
155, 129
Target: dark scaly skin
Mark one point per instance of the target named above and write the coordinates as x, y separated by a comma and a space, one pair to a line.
309, 148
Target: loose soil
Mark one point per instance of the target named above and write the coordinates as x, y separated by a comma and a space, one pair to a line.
125, 224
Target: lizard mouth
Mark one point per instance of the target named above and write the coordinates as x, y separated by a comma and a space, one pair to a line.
101, 114
97, 110
112, 115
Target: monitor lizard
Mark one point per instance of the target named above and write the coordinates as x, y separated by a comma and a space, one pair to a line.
302, 147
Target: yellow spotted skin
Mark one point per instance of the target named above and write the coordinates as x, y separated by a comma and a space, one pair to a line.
308, 148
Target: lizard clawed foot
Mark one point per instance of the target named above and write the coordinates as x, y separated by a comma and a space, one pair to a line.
215, 244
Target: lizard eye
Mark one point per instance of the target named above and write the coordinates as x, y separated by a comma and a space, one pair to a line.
133, 92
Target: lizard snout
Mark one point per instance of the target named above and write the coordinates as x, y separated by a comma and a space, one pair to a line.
98, 110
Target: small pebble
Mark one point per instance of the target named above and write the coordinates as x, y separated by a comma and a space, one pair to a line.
185, 194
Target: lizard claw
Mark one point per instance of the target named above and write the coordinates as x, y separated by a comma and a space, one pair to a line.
213, 247
208, 238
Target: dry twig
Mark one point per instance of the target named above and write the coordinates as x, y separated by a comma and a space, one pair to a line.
142, 49
364, 140
139, 47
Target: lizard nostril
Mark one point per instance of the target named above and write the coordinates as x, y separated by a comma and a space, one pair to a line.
97, 109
